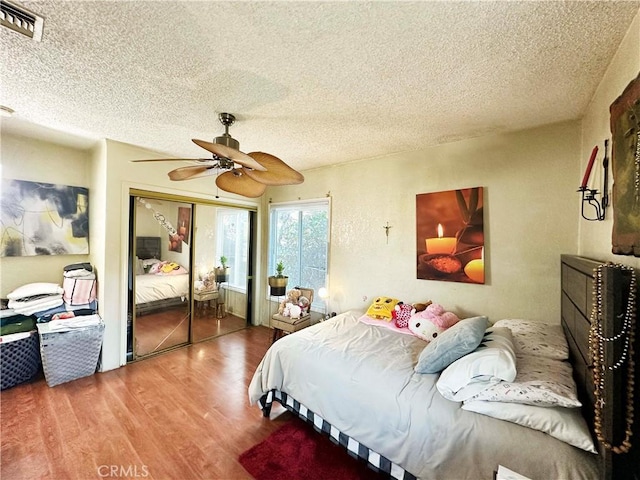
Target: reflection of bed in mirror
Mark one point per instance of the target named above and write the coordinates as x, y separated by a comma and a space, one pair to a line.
160, 285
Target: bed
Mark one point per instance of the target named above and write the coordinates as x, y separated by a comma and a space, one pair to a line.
156, 290
356, 383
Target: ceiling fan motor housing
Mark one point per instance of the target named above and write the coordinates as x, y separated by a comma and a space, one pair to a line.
227, 140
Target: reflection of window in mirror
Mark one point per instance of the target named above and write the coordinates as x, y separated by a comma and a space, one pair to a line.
232, 242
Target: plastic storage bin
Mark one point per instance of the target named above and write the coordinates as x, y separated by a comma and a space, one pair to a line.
19, 360
69, 354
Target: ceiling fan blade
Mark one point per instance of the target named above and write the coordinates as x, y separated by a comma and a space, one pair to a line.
186, 173
174, 160
277, 172
230, 153
235, 181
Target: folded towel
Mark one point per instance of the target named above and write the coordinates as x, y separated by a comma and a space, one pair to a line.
80, 273
33, 306
74, 322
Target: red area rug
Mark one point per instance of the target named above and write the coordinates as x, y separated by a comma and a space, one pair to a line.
297, 452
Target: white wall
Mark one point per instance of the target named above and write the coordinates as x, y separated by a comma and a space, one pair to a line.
27, 159
530, 219
531, 214
595, 237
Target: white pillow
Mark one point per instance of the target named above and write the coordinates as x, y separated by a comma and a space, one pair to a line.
147, 262
492, 362
32, 289
537, 338
139, 266
540, 381
566, 424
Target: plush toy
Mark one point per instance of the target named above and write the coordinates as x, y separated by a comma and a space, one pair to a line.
381, 308
401, 314
294, 311
303, 303
293, 296
418, 307
431, 322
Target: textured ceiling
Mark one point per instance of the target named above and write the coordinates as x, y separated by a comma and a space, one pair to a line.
314, 83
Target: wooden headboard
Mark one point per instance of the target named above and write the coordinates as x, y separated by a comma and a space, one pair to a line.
577, 303
148, 247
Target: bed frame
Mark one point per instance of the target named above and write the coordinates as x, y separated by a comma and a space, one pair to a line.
577, 300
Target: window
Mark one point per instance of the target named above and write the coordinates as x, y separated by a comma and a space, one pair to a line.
299, 237
233, 243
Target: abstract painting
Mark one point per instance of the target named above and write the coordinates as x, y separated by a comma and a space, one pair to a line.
450, 235
43, 219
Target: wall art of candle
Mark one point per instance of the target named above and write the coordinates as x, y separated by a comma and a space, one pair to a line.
183, 230
449, 234
440, 244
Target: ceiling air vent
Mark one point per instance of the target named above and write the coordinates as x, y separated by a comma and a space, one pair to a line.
21, 20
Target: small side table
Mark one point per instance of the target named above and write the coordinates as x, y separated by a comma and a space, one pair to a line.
203, 299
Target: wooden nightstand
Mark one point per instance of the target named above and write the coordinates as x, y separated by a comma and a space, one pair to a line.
203, 299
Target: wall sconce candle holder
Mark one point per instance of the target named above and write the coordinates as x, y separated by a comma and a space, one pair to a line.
590, 195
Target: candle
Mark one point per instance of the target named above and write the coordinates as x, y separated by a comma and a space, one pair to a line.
587, 174
475, 269
441, 244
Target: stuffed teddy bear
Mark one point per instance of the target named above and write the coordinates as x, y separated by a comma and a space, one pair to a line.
293, 296
431, 322
418, 307
401, 314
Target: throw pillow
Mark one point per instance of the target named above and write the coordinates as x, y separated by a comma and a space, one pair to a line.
452, 344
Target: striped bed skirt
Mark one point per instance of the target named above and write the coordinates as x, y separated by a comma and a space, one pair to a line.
354, 448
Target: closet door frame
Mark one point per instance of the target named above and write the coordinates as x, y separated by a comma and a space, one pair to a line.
134, 193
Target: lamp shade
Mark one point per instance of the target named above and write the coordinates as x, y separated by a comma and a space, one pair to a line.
323, 292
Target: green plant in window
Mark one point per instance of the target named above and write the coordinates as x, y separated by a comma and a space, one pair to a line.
279, 269
223, 261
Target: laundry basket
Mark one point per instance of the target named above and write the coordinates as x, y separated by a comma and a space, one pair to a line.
19, 358
69, 354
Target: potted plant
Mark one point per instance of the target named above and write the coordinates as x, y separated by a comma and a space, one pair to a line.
222, 272
278, 282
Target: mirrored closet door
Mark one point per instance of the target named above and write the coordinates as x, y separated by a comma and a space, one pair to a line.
190, 271
161, 265
221, 263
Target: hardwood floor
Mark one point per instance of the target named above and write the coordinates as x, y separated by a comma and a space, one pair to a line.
184, 414
165, 329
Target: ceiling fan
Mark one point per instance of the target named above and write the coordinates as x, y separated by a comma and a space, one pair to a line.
246, 174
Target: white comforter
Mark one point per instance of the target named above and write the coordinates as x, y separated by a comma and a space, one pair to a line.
150, 287
360, 378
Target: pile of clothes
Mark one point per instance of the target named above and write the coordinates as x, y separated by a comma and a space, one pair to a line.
43, 300
36, 299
